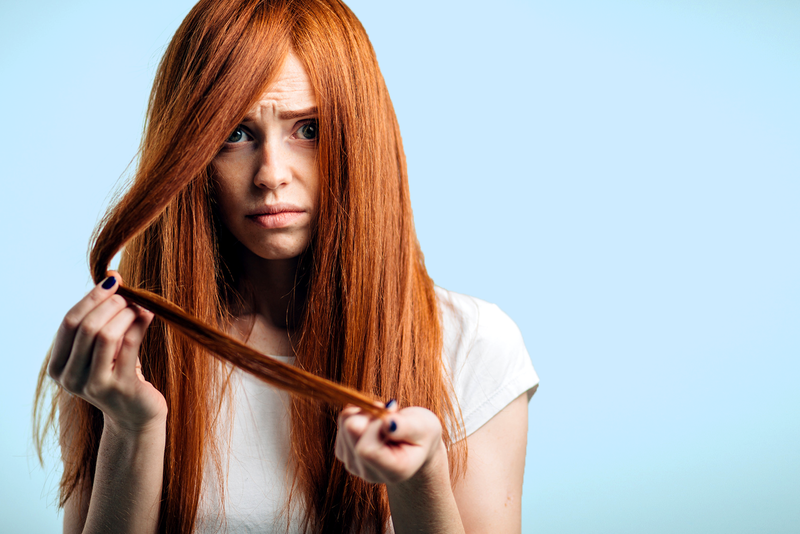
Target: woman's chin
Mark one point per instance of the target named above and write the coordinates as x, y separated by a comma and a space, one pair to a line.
278, 251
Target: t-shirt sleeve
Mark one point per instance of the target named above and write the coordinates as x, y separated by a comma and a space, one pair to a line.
490, 365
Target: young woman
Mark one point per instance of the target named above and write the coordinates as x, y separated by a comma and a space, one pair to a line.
271, 201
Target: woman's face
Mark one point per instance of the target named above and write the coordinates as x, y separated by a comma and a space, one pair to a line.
267, 179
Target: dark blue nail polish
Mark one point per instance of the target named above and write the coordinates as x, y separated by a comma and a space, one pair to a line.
109, 282
392, 426
391, 403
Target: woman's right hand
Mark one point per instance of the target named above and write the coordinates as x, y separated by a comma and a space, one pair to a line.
96, 357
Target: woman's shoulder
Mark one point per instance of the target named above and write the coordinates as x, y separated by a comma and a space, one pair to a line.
485, 355
483, 324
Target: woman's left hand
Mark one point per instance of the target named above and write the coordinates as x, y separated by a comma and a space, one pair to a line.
391, 449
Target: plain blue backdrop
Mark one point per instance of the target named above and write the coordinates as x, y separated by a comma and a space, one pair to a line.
621, 177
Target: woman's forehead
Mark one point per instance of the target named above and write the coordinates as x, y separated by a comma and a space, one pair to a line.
290, 91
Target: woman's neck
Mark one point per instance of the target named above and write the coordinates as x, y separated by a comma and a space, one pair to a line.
273, 289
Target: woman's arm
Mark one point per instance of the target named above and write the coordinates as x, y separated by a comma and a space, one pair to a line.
126, 493
490, 492
409, 457
95, 357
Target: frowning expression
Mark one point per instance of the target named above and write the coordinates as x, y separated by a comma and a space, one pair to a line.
266, 174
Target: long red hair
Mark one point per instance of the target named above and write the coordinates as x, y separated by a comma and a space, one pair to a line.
369, 321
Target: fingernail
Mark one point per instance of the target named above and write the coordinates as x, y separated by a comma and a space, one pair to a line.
391, 403
109, 282
392, 426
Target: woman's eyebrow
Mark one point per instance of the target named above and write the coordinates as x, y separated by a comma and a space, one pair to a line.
289, 115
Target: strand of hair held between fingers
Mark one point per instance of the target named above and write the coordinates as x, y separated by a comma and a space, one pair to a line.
278, 374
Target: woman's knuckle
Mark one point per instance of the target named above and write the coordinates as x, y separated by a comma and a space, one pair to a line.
71, 321
353, 427
87, 328
129, 343
91, 390
106, 337
51, 369
71, 383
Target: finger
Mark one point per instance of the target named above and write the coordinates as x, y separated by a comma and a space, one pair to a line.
344, 452
77, 367
371, 442
107, 345
128, 356
392, 406
355, 425
381, 461
352, 422
347, 412
411, 425
62, 346
338, 450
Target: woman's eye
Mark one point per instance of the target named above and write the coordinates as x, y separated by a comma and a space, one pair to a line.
239, 135
308, 131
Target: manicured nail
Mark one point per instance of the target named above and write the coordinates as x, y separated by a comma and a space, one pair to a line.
109, 282
392, 426
391, 403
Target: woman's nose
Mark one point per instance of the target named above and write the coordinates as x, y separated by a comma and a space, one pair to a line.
274, 169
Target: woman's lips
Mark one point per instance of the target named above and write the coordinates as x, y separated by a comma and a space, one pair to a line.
280, 219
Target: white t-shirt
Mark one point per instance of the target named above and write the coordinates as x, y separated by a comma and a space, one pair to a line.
483, 352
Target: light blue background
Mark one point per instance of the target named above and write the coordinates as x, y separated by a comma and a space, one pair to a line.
621, 177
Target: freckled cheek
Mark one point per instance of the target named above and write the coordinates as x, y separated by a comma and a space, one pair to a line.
236, 171
233, 176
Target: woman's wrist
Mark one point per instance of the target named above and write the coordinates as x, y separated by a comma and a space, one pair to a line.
433, 474
155, 428
425, 502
